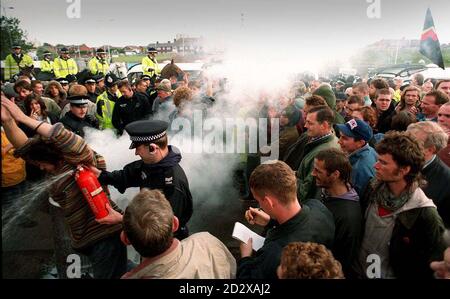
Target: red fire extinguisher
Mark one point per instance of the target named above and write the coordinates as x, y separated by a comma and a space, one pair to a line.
93, 192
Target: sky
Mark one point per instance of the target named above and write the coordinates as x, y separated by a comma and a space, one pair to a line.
280, 23
286, 35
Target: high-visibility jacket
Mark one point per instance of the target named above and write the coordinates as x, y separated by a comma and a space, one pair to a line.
12, 67
62, 67
148, 63
47, 66
105, 107
96, 66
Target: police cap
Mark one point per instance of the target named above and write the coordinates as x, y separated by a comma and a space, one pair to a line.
89, 79
78, 100
62, 81
146, 131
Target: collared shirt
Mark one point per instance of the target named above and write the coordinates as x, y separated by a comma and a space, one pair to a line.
320, 137
429, 162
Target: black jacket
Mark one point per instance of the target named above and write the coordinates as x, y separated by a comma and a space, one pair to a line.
437, 175
129, 110
76, 125
314, 223
167, 176
346, 211
385, 119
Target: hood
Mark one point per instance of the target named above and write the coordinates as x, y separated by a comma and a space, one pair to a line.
62, 92
172, 159
418, 200
325, 92
350, 195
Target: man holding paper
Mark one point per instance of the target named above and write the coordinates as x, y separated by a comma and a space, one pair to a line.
274, 186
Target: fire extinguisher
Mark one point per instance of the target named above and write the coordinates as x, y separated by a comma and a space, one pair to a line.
92, 191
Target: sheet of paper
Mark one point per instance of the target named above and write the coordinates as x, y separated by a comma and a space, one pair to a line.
243, 233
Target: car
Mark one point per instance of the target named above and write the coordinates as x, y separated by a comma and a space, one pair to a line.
406, 71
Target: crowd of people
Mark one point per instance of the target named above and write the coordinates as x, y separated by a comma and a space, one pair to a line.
363, 172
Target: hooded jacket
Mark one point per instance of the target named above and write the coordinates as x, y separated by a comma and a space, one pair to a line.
61, 99
166, 175
416, 238
327, 93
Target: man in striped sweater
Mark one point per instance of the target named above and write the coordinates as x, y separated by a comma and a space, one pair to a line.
58, 151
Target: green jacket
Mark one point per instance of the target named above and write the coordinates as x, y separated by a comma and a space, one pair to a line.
13, 67
306, 184
325, 92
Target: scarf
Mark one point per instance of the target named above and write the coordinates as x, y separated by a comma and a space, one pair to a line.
384, 198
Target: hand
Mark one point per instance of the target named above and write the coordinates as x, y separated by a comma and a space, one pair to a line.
113, 217
14, 110
94, 169
442, 269
413, 110
150, 69
257, 216
6, 116
34, 114
246, 248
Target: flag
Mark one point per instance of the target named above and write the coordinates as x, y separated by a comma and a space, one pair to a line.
429, 42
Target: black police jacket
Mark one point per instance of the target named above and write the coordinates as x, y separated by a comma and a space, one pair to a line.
129, 110
167, 176
76, 124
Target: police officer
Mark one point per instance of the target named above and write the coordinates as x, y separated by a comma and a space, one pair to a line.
158, 169
150, 66
46, 65
98, 64
91, 85
16, 61
106, 101
64, 65
77, 118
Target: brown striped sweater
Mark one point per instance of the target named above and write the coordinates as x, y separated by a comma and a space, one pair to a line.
83, 229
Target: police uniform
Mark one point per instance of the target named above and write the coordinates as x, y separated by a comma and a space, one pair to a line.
92, 95
63, 67
47, 64
166, 175
106, 102
150, 65
76, 124
97, 65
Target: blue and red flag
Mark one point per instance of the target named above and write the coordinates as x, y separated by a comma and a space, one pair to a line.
429, 42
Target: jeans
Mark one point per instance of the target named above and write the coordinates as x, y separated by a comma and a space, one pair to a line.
108, 257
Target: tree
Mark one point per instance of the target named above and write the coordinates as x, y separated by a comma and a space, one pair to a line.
12, 34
